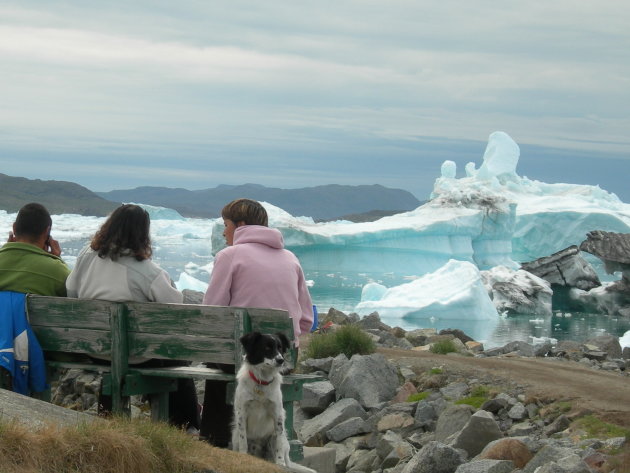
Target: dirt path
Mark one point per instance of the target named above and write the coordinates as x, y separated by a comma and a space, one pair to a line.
605, 393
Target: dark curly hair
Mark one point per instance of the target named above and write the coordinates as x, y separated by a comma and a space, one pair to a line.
124, 233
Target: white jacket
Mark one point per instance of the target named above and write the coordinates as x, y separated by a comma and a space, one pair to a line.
125, 279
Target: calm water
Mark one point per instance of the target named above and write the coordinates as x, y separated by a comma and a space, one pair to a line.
343, 292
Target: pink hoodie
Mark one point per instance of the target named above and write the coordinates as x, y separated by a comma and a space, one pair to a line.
256, 271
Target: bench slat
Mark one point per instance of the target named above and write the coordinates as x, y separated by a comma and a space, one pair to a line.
182, 347
67, 312
74, 340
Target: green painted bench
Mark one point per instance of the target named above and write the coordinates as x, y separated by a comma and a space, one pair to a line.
70, 328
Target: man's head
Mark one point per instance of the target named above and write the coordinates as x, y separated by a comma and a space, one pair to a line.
33, 223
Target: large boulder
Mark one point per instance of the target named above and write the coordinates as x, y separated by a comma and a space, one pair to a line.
479, 431
313, 431
369, 379
564, 268
435, 457
507, 449
316, 397
517, 292
452, 420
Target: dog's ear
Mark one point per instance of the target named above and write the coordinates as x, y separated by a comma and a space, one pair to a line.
284, 341
249, 340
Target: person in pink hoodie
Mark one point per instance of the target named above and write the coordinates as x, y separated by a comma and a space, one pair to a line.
255, 270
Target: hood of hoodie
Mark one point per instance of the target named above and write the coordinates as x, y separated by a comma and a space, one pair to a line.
259, 234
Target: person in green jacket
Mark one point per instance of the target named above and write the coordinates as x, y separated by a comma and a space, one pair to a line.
30, 262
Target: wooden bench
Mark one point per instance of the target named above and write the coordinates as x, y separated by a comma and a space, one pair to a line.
67, 327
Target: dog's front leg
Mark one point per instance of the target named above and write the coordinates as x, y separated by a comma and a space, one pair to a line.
239, 431
281, 447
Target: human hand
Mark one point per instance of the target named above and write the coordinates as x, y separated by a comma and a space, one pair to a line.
53, 247
11, 238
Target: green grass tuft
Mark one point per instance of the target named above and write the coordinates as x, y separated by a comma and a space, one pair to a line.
418, 396
443, 347
347, 339
597, 428
436, 371
475, 401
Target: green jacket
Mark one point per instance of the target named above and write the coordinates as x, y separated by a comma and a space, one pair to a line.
26, 268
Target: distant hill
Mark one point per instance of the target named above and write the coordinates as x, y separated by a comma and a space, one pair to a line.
59, 197
320, 202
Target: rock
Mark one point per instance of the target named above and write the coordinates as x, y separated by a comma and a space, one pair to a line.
479, 431
343, 452
317, 364
521, 429
400, 451
386, 443
363, 461
404, 392
435, 457
425, 415
455, 391
546, 455
192, 297
607, 343
564, 268
518, 292
517, 412
457, 333
507, 449
494, 405
561, 423
317, 397
608, 246
339, 318
395, 421
521, 348
486, 466
474, 347
347, 428
419, 337
373, 321
452, 420
313, 430
370, 379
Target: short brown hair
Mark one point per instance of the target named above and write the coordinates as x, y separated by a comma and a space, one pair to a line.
245, 210
124, 233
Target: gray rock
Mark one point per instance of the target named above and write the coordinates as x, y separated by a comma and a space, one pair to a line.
345, 429
573, 464
615, 442
455, 391
317, 397
565, 268
370, 379
419, 337
401, 451
317, 364
435, 457
452, 420
373, 321
313, 430
386, 443
546, 455
457, 333
425, 414
486, 466
561, 423
479, 431
521, 429
343, 452
521, 348
517, 412
363, 460
542, 349
494, 405
608, 343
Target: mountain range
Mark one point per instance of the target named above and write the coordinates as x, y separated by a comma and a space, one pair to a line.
320, 202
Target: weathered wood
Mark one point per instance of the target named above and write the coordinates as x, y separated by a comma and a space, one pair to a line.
68, 312
74, 340
181, 347
120, 356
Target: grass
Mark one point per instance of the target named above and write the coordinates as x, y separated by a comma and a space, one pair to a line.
443, 347
436, 371
116, 446
347, 339
418, 396
597, 428
474, 401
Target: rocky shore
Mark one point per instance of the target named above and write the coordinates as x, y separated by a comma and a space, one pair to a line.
381, 415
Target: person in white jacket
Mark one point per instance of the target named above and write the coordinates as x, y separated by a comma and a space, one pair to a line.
117, 266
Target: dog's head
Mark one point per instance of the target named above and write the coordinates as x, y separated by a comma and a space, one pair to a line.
265, 348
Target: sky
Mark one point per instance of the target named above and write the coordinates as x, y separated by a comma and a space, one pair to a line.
194, 94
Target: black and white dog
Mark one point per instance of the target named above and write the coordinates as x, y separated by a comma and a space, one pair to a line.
258, 427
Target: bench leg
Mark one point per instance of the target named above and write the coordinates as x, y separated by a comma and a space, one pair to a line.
159, 406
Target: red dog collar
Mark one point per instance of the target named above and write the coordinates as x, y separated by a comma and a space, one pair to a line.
259, 381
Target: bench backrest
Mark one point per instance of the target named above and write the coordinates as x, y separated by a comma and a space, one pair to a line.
149, 330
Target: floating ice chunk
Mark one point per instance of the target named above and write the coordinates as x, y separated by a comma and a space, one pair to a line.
186, 281
624, 341
373, 292
455, 291
537, 321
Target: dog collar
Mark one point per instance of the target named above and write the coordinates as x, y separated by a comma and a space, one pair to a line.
259, 381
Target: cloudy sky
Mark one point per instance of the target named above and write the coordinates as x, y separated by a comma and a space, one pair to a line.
289, 94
